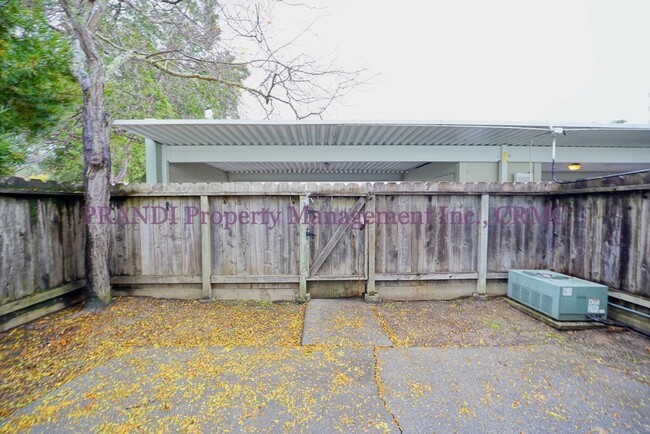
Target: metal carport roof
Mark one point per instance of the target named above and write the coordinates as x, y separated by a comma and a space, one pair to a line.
354, 133
373, 147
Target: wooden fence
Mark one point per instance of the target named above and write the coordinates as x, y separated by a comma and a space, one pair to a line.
286, 240
42, 241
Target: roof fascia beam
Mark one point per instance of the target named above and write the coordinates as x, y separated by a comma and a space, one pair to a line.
193, 154
200, 154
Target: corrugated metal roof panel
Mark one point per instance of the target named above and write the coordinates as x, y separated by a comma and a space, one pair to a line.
308, 133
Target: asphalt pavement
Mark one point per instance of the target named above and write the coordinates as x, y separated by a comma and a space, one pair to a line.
348, 377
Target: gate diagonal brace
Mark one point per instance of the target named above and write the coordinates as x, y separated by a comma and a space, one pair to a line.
320, 260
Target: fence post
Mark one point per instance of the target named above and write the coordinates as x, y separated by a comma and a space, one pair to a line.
206, 252
371, 237
304, 249
484, 218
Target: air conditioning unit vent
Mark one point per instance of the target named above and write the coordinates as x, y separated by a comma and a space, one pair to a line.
547, 304
561, 297
525, 295
535, 300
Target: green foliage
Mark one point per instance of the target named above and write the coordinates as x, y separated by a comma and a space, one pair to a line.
136, 90
12, 154
36, 86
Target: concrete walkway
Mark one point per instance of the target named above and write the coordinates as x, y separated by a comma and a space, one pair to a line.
344, 322
346, 377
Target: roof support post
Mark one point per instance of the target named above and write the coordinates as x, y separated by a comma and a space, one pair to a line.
152, 155
503, 164
163, 167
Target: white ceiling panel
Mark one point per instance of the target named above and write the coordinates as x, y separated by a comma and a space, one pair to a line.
317, 167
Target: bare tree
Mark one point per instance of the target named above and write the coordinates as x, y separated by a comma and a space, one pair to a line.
190, 39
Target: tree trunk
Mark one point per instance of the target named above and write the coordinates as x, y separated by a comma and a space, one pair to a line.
83, 17
97, 170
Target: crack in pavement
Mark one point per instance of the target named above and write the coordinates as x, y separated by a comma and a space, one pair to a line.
380, 388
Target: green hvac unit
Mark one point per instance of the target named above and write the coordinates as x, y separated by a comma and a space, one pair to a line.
561, 297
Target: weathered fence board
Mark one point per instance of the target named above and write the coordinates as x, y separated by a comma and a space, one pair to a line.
599, 232
430, 242
42, 241
521, 244
254, 249
606, 239
161, 246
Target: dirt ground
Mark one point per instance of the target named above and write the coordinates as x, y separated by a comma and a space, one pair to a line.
467, 323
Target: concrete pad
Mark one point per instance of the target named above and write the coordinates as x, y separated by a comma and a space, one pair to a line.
216, 390
559, 325
351, 323
510, 389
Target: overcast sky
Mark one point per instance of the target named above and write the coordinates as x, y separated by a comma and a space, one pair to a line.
501, 60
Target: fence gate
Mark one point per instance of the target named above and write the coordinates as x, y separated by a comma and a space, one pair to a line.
337, 246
